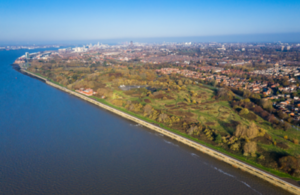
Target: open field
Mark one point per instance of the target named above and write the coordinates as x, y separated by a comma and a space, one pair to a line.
245, 167
190, 109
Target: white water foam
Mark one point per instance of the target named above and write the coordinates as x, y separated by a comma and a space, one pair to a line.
221, 171
246, 184
158, 134
250, 187
171, 143
195, 155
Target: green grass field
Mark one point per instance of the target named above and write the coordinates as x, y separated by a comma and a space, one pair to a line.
208, 111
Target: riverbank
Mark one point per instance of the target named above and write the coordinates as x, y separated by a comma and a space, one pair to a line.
274, 180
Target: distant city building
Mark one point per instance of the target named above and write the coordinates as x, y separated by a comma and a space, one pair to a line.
282, 48
222, 48
27, 56
80, 49
288, 47
62, 50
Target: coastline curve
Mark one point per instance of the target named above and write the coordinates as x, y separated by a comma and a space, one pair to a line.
234, 162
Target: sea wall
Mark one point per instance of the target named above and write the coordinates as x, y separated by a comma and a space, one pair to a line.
235, 163
31, 74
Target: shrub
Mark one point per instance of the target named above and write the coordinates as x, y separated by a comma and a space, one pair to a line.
288, 163
244, 111
225, 94
147, 110
250, 116
296, 141
235, 147
282, 145
188, 100
209, 134
236, 107
261, 132
117, 102
218, 139
250, 148
266, 104
163, 118
247, 100
287, 126
261, 157
191, 130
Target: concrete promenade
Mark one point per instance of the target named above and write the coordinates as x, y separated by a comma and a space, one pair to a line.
235, 163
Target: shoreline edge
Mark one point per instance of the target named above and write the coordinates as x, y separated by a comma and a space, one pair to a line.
204, 149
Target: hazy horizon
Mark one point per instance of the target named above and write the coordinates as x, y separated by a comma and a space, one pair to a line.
250, 38
38, 21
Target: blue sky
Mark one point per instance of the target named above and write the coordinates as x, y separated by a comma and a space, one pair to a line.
32, 20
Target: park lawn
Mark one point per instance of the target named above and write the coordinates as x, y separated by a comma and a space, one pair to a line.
209, 117
218, 113
248, 160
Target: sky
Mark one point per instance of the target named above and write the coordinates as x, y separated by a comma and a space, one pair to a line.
63, 20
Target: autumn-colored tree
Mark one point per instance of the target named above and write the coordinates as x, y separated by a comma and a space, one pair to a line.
179, 82
244, 111
266, 104
243, 131
147, 110
250, 148
163, 118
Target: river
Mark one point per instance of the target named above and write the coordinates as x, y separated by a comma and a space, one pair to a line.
54, 143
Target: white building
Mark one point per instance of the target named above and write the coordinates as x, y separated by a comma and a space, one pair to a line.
27, 56
80, 49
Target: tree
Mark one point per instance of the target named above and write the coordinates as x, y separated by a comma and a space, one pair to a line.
225, 94
266, 104
147, 110
250, 148
252, 131
282, 115
244, 111
247, 94
287, 126
243, 131
255, 96
163, 117
191, 130
289, 163
179, 83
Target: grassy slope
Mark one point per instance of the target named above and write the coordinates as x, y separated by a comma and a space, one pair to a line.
209, 117
244, 159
